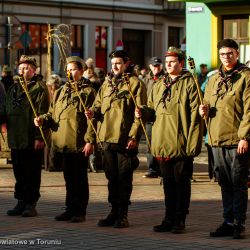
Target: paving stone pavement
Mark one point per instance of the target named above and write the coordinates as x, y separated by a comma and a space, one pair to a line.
146, 210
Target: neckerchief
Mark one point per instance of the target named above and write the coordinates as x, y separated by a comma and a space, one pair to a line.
226, 79
113, 83
168, 83
82, 83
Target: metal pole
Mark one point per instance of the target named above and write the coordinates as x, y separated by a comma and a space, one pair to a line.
9, 42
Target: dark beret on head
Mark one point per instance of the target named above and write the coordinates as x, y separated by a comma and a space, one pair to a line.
230, 43
119, 53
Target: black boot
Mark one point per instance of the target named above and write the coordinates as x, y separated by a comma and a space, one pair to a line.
239, 231
18, 209
122, 221
225, 229
65, 216
165, 226
109, 221
179, 226
30, 210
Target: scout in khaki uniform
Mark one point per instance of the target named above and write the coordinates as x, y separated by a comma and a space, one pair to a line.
71, 137
24, 139
227, 105
119, 133
156, 73
173, 107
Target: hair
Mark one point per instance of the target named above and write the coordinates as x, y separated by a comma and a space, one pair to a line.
78, 64
230, 43
54, 80
203, 65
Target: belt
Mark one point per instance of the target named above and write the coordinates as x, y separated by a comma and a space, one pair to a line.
162, 159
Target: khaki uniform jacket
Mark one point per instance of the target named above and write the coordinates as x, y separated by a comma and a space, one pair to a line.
177, 127
66, 118
229, 118
18, 114
115, 110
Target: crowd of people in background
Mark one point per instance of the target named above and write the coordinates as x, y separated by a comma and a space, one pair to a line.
93, 120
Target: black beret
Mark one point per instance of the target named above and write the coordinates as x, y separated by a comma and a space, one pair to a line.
230, 43
119, 53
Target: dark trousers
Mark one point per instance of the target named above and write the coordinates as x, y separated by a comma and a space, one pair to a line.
176, 174
231, 171
119, 166
210, 162
76, 181
152, 163
27, 166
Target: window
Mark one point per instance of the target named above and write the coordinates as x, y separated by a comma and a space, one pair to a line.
236, 29
101, 46
174, 36
33, 42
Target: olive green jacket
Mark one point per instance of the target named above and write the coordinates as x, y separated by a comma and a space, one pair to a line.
177, 126
18, 114
114, 109
229, 118
69, 126
150, 82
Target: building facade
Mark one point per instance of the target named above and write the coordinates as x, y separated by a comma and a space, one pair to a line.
145, 28
208, 21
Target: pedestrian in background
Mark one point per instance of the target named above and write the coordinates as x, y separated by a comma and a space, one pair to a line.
203, 73
6, 77
227, 105
155, 74
96, 82
71, 137
119, 133
173, 107
24, 139
52, 159
210, 156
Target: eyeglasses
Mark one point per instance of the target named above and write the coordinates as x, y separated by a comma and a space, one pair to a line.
228, 54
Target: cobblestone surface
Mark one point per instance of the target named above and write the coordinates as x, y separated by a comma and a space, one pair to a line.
146, 210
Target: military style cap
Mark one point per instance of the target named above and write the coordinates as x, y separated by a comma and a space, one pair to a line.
119, 53
28, 59
155, 61
230, 43
76, 59
173, 51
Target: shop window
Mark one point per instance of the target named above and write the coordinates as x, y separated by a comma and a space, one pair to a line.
174, 36
101, 46
236, 28
33, 42
77, 41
